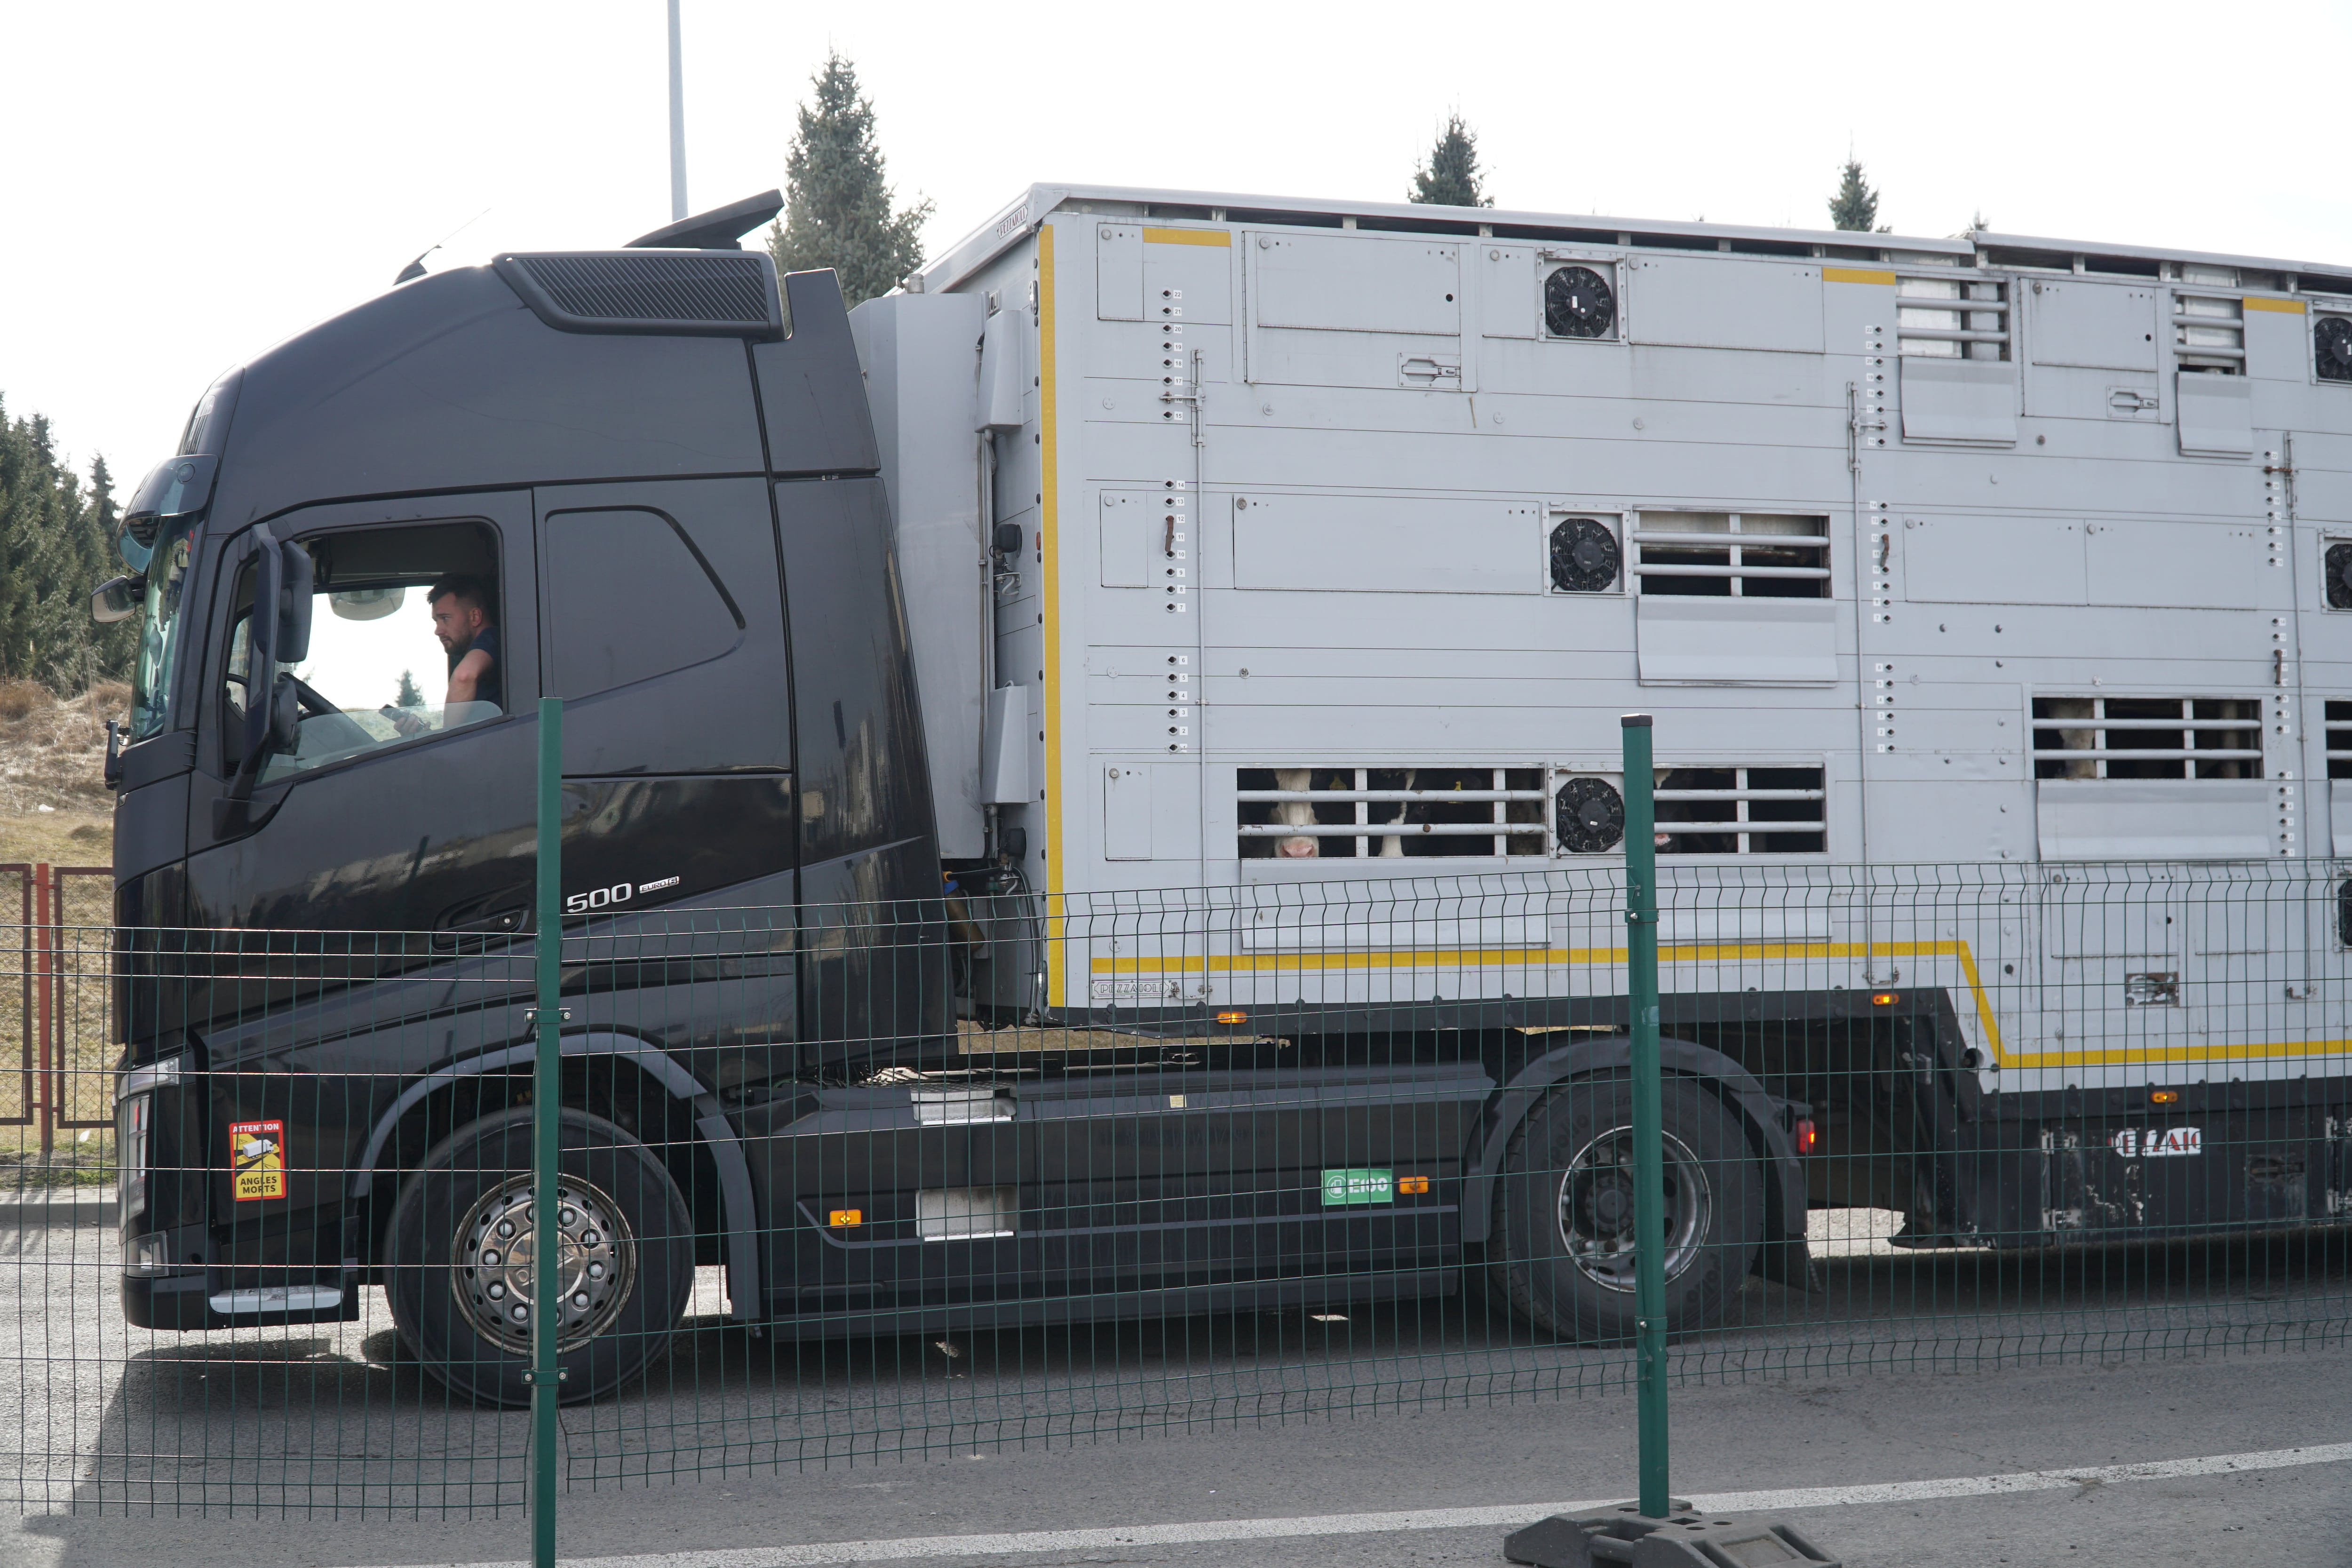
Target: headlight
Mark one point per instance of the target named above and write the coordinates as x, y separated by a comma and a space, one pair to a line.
134, 1130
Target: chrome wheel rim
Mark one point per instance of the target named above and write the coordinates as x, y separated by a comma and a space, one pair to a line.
1596, 1208
496, 1267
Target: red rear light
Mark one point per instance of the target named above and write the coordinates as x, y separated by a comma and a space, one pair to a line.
1809, 1137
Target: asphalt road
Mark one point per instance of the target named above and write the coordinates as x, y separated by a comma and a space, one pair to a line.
260, 1448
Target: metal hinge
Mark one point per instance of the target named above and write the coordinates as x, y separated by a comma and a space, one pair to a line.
1188, 392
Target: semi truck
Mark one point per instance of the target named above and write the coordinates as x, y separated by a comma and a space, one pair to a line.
1091, 785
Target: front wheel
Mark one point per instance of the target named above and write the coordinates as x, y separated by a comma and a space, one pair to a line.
1565, 1209
462, 1265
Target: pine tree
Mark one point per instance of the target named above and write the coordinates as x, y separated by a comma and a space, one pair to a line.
111, 649
1856, 205
837, 211
409, 697
1450, 178
56, 546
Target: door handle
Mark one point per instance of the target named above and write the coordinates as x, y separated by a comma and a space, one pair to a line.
462, 923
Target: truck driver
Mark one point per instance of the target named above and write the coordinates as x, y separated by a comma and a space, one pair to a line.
461, 620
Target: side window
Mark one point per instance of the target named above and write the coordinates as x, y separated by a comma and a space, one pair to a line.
628, 598
404, 642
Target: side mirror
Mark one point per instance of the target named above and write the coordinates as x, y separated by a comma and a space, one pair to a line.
117, 599
262, 627
294, 589
283, 578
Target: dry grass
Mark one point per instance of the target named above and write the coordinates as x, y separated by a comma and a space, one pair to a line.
53, 750
54, 805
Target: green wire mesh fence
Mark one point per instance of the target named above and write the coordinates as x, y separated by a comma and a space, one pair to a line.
887, 1181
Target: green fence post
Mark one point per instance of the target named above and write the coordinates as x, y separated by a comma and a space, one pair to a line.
1649, 1156
546, 1103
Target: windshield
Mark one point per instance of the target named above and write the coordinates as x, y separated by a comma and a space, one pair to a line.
160, 629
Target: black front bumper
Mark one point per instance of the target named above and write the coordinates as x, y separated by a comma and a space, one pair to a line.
193, 1298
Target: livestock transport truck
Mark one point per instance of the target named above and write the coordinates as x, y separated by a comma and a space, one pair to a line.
1091, 783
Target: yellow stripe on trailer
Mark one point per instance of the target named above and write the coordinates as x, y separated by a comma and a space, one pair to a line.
1049, 546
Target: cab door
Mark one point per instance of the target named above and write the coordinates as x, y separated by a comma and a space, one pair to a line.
395, 812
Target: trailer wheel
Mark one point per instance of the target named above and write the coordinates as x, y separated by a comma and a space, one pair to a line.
460, 1268
1565, 1209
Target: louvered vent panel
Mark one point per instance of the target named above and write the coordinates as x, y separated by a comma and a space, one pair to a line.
2339, 740
2209, 332
1743, 811
1955, 316
1326, 813
649, 291
2148, 738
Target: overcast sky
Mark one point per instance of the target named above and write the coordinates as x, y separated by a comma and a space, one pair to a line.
188, 184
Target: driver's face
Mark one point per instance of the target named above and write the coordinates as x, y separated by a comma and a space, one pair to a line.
455, 622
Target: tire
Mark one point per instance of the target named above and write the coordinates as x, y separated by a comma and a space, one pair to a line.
449, 1283
1569, 1165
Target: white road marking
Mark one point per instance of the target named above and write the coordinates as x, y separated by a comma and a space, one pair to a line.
1509, 1516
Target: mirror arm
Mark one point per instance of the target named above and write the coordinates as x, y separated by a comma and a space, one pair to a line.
232, 811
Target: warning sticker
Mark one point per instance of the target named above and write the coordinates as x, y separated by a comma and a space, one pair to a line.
259, 1152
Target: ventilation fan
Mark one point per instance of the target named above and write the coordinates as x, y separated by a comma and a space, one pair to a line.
1584, 556
1591, 815
1577, 304
2331, 347
2336, 568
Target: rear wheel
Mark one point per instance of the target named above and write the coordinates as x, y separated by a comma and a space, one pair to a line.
462, 1246
1565, 1209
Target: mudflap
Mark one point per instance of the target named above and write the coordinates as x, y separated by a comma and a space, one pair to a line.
1790, 1262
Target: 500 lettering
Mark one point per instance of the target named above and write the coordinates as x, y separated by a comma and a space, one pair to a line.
602, 899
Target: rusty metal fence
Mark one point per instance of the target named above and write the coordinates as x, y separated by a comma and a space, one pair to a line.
59, 1038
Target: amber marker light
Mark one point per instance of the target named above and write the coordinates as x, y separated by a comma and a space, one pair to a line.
2165, 1097
842, 1219
1412, 1184
1885, 998
1233, 1017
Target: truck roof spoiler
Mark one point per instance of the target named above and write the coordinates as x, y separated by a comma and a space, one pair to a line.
720, 228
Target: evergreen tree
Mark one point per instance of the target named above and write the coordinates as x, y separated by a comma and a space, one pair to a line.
1856, 205
409, 697
56, 546
1450, 178
112, 649
837, 211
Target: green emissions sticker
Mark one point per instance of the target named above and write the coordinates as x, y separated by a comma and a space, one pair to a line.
1358, 1187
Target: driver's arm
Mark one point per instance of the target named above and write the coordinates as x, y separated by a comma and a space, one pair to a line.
467, 676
